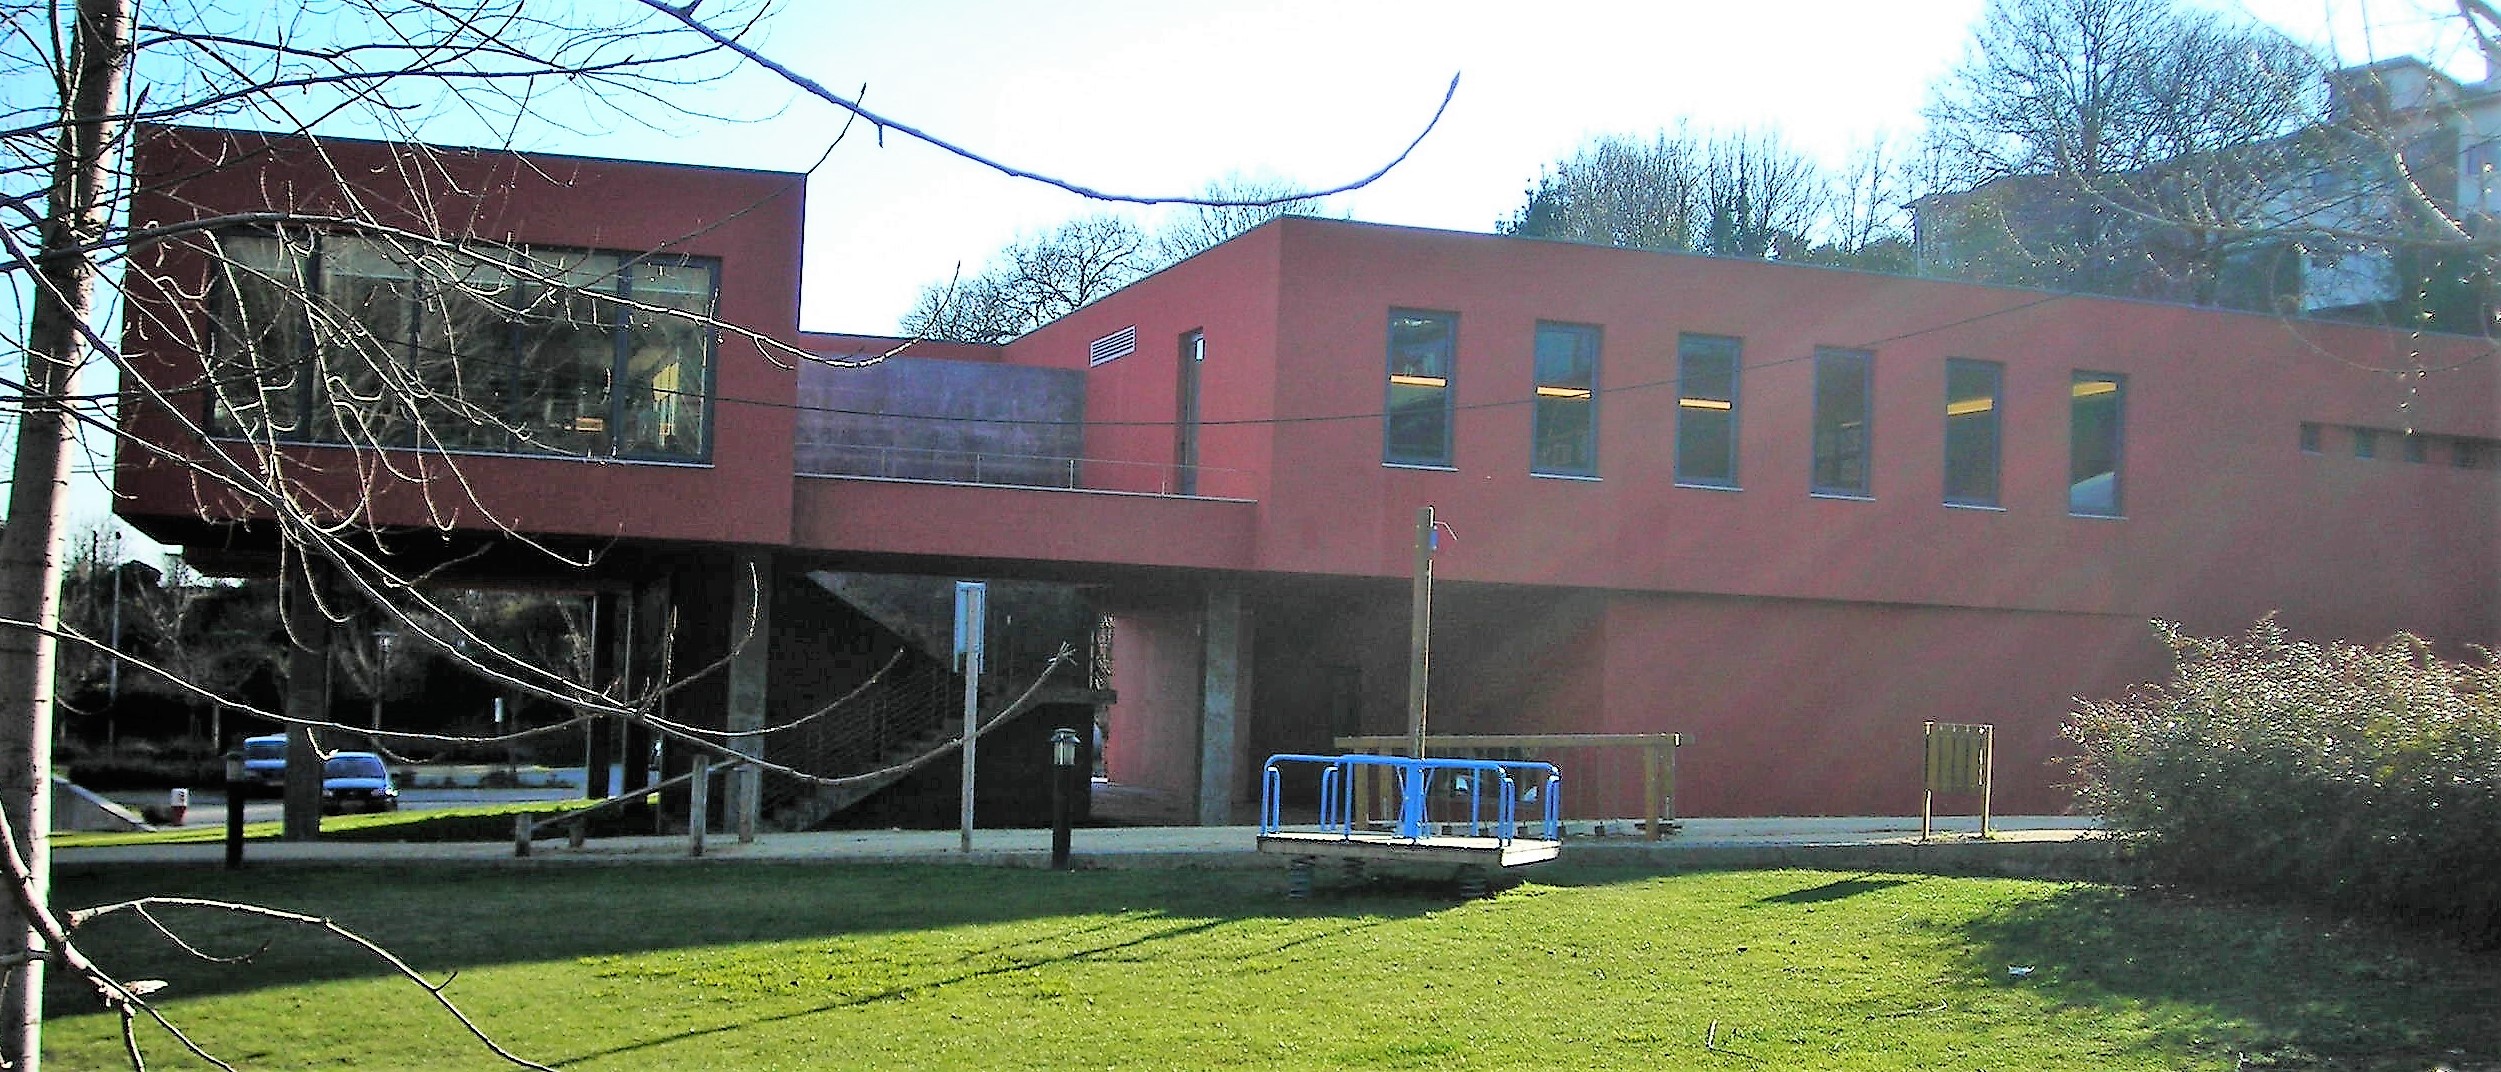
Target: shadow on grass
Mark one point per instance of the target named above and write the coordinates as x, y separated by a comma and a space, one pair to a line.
2305, 991
1837, 889
443, 919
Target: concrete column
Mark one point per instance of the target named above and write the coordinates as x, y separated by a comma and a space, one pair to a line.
307, 695
608, 653
1224, 701
750, 680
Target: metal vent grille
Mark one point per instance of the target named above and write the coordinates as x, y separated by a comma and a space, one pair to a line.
1112, 347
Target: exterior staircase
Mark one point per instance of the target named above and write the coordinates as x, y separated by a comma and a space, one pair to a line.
909, 717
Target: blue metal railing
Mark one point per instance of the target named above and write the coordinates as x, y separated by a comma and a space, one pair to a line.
1413, 779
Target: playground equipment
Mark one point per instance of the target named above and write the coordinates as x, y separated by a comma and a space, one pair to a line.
1480, 835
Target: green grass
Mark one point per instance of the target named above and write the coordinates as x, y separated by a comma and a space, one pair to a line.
955, 968
469, 823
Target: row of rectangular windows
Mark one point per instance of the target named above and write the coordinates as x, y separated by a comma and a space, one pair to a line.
1418, 411
2465, 452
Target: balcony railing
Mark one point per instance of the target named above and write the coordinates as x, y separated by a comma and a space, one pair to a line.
1014, 470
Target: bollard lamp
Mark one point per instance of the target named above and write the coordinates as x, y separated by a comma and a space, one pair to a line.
1063, 747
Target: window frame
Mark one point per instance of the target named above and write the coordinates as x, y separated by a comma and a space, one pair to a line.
1594, 338
1996, 428
1820, 439
1690, 346
616, 298
1449, 387
2118, 441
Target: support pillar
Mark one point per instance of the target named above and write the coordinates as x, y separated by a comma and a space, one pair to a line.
599, 749
750, 681
307, 696
645, 626
1224, 701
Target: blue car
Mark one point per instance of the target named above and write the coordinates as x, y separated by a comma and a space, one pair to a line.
265, 762
357, 781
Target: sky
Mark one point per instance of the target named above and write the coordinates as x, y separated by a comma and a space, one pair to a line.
1162, 97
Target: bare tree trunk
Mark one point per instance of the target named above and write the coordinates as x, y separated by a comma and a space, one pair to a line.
30, 562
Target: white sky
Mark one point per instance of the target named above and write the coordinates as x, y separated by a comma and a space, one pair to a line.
1158, 97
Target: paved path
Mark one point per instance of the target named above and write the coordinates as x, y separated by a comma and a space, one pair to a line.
2024, 845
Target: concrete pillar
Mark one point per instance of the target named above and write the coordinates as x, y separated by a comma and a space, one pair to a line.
750, 681
1224, 703
608, 653
307, 695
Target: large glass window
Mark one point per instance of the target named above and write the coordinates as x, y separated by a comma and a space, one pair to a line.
1971, 431
543, 351
1422, 356
1566, 431
2096, 420
1706, 410
262, 344
1844, 404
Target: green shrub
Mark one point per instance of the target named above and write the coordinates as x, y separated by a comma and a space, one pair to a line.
2368, 778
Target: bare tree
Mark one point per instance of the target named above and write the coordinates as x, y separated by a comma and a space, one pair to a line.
1617, 191
1035, 280
1202, 227
2122, 146
1760, 198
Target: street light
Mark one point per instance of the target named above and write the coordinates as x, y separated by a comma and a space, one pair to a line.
1063, 777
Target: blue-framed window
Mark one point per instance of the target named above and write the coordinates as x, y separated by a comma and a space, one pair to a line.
1972, 406
2097, 437
1706, 409
1423, 359
1845, 403
1565, 427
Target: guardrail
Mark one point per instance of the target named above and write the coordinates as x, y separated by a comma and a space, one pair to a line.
1007, 470
1414, 778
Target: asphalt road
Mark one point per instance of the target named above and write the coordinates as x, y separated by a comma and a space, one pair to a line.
208, 807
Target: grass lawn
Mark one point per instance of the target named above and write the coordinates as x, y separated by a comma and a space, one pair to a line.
466, 823
749, 966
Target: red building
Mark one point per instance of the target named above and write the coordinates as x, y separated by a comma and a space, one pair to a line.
1792, 512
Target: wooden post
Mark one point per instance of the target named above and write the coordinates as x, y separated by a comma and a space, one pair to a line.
1420, 633
698, 806
750, 780
1927, 776
1988, 774
521, 833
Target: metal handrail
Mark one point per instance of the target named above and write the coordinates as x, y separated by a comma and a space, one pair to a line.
1070, 470
1413, 777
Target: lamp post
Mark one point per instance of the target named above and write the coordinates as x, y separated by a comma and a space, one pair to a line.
1063, 789
234, 809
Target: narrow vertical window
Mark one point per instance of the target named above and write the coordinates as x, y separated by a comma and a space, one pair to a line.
1844, 405
1185, 414
1422, 351
2418, 448
2365, 443
1971, 431
1566, 424
2095, 421
2310, 438
1706, 410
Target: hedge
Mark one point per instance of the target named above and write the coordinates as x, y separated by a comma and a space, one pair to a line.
2364, 777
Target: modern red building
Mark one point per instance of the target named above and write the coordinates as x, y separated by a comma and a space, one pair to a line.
1792, 512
